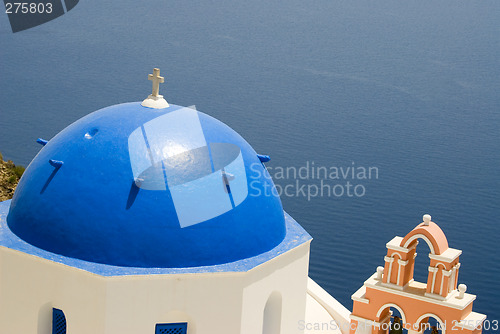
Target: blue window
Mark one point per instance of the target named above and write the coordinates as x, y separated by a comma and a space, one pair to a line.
58, 322
177, 328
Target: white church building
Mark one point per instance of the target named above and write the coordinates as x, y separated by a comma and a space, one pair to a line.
154, 218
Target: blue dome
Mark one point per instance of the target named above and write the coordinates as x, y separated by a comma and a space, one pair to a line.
138, 187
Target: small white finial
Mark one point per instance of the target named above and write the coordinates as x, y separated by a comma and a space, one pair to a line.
155, 100
427, 219
380, 272
461, 289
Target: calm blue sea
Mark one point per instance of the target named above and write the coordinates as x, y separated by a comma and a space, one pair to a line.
411, 88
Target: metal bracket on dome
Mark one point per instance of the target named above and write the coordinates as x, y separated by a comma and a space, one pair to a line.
42, 142
155, 100
56, 163
263, 158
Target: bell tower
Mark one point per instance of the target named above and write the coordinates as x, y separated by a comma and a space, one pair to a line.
393, 286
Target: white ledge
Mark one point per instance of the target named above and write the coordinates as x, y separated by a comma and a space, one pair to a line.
417, 290
359, 295
473, 321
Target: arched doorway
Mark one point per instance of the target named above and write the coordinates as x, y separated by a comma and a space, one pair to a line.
272, 314
392, 320
431, 324
397, 325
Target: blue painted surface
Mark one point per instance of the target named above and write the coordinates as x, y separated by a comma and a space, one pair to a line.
295, 236
176, 328
142, 187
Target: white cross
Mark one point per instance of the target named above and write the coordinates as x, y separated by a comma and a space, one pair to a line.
155, 77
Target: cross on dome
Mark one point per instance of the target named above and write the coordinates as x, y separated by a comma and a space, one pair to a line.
155, 100
157, 79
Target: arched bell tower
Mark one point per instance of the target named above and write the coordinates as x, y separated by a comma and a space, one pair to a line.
393, 286
443, 266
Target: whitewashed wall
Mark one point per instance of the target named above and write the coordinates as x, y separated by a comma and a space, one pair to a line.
223, 303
